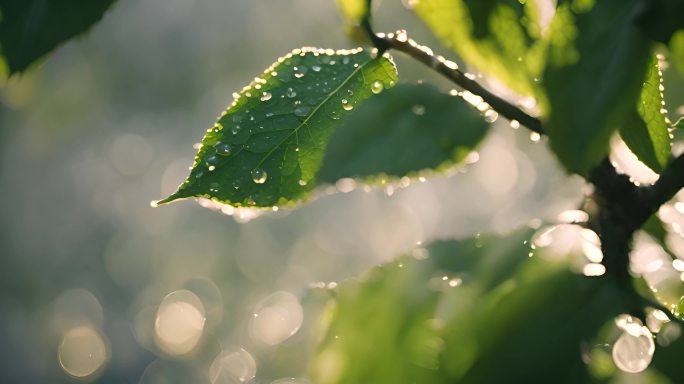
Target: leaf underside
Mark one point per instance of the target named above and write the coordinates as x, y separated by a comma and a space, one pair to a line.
402, 131
31, 28
268, 146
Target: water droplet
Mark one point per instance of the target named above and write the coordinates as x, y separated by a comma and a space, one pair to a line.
535, 137
223, 149
236, 184
235, 130
490, 116
347, 105
259, 176
300, 72
377, 87
211, 168
418, 110
302, 182
633, 350
212, 160
302, 111
199, 174
237, 119
290, 93
345, 60
515, 124
265, 96
316, 68
269, 114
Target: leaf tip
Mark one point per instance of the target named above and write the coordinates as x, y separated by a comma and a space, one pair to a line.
170, 199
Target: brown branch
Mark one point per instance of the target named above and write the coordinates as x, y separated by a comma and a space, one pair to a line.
401, 42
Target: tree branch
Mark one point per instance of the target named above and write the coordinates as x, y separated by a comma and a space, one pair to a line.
399, 41
670, 182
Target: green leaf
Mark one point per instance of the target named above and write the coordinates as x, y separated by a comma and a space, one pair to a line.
354, 10
451, 312
646, 133
593, 81
383, 328
499, 38
544, 313
268, 146
31, 28
677, 51
401, 131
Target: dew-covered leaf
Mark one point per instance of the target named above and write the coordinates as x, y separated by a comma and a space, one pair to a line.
268, 146
592, 80
455, 309
500, 38
646, 133
401, 131
31, 28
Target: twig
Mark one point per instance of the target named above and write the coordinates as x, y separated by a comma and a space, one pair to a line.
670, 182
401, 42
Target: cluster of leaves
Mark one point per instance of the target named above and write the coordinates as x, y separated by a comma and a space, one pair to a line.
320, 115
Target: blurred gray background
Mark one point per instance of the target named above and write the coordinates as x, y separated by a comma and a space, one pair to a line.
171, 294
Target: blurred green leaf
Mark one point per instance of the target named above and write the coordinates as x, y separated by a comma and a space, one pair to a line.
677, 51
606, 59
467, 307
401, 131
354, 12
31, 28
268, 146
646, 133
544, 313
500, 38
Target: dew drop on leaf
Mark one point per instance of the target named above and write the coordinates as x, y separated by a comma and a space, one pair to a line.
265, 96
259, 176
212, 160
301, 111
347, 105
316, 68
290, 93
237, 119
376, 87
235, 130
300, 72
418, 110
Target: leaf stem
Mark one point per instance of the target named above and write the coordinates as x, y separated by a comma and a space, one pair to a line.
401, 42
